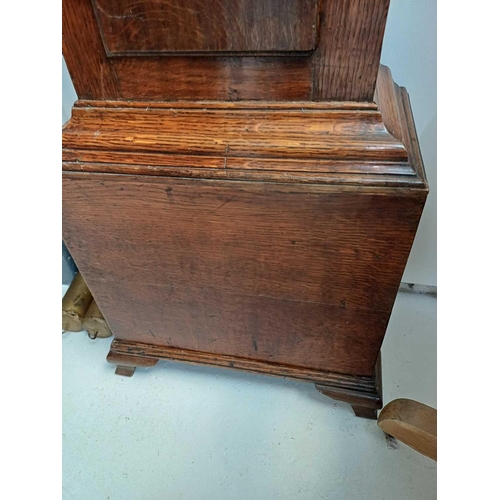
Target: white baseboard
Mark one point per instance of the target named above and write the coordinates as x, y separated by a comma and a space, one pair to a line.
415, 288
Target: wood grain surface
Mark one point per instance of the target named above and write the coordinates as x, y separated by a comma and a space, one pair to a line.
197, 26
413, 423
365, 399
129, 353
293, 274
343, 65
241, 183
270, 233
345, 144
292, 134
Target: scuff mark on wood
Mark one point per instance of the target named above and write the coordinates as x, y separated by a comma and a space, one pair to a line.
255, 346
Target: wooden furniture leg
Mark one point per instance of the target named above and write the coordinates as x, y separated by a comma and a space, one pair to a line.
364, 396
363, 393
412, 423
127, 363
364, 412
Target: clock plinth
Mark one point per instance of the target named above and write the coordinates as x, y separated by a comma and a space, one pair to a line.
238, 201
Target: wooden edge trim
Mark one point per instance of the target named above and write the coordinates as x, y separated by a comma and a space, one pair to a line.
126, 360
413, 146
166, 160
296, 182
243, 105
353, 180
395, 108
367, 396
387, 99
125, 349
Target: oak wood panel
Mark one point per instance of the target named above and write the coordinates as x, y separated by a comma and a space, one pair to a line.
144, 27
214, 78
343, 67
217, 321
306, 134
341, 122
346, 63
90, 69
216, 267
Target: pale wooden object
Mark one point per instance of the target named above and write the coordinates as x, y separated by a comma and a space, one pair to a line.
75, 303
412, 423
94, 322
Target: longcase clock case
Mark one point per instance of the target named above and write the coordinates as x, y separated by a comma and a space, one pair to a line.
242, 184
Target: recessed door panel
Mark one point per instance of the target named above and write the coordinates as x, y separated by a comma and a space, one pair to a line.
152, 27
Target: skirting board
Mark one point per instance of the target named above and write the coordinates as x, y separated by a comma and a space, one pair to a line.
415, 288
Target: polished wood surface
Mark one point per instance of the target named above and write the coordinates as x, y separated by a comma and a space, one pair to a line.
342, 67
131, 27
412, 423
345, 144
243, 268
277, 269
241, 193
312, 134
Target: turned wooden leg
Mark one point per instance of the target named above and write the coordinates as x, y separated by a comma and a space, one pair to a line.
127, 363
364, 394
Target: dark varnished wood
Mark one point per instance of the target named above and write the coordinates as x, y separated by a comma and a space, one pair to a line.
214, 78
241, 193
364, 412
365, 400
204, 275
342, 181
342, 67
92, 73
142, 27
311, 142
346, 62
199, 254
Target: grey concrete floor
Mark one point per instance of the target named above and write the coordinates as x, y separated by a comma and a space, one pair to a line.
185, 432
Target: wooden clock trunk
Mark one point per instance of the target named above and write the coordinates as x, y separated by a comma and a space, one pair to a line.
242, 184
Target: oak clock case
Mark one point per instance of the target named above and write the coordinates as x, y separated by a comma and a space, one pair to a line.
242, 184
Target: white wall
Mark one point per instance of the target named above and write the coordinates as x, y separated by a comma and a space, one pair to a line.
68, 99
68, 93
410, 51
